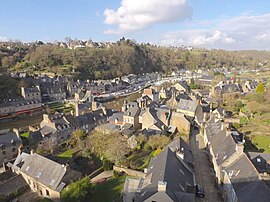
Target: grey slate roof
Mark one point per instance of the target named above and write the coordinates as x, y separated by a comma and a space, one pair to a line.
168, 168
260, 161
45, 171
181, 145
8, 138
118, 116
187, 105
132, 111
46, 130
246, 183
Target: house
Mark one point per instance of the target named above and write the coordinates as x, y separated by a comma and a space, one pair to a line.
168, 178
261, 161
53, 91
31, 93
250, 86
151, 93
55, 129
223, 88
43, 176
219, 112
131, 116
182, 87
187, 107
155, 119
180, 122
18, 107
242, 182
224, 148
10, 143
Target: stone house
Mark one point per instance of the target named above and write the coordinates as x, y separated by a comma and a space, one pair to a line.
187, 107
223, 147
10, 143
151, 93
241, 182
182, 87
180, 122
55, 129
169, 177
44, 176
31, 93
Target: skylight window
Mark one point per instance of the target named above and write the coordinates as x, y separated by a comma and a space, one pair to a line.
27, 168
39, 174
259, 160
52, 182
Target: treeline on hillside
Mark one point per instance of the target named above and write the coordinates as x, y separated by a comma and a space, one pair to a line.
123, 57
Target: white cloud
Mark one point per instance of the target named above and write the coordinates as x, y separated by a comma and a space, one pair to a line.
138, 14
241, 32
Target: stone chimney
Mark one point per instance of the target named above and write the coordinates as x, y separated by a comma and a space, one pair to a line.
180, 153
162, 185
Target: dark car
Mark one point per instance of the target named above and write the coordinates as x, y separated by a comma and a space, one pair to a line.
200, 191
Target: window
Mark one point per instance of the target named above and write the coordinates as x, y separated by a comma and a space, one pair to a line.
3, 147
13, 149
4, 152
14, 143
47, 193
259, 160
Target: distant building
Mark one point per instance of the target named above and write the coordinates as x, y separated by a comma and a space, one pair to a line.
31, 93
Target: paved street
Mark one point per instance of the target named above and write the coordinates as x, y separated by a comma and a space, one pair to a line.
204, 171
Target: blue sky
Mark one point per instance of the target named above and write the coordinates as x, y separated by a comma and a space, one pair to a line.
228, 24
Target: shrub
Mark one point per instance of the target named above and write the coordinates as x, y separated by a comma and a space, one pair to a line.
107, 165
78, 191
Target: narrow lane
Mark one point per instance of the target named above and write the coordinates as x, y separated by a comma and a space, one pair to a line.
203, 170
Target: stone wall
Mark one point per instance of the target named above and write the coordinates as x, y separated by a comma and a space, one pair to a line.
129, 171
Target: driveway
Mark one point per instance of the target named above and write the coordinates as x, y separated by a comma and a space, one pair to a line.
204, 170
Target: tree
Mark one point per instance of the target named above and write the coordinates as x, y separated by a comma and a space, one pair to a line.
260, 88
158, 141
77, 139
78, 191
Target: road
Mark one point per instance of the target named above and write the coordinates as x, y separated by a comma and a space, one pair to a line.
204, 170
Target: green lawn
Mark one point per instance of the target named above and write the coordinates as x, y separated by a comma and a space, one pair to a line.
66, 154
262, 142
26, 135
110, 190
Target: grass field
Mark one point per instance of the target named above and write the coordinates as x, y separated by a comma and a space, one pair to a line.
109, 190
262, 142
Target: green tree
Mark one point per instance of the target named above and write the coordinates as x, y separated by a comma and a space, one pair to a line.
79, 191
260, 88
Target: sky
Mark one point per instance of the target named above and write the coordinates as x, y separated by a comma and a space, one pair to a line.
219, 24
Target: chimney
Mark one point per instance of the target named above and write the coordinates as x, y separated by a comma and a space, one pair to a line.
162, 185
180, 153
31, 151
239, 148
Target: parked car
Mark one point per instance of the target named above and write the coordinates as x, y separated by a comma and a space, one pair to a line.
200, 191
